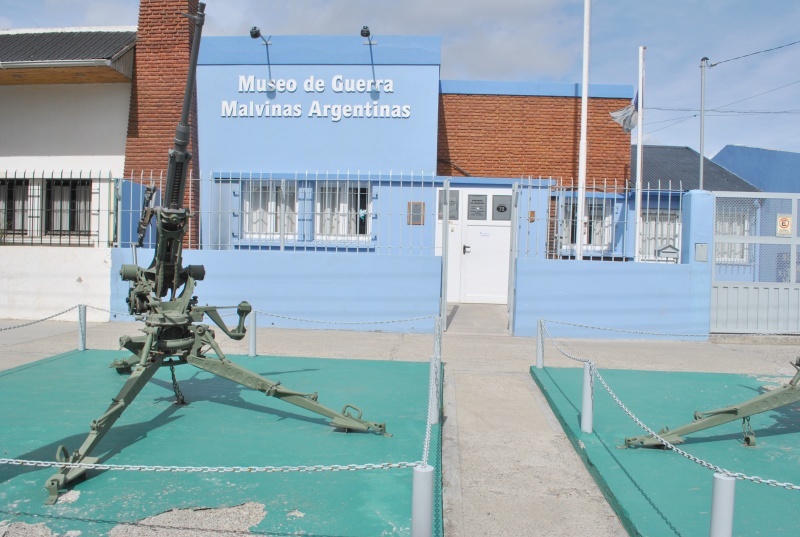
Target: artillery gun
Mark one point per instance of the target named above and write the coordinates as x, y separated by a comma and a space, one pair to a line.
770, 400
161, 295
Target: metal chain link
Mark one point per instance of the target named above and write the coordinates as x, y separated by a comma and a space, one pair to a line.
667, 445
433, 384
345, 322
126, 314
213, 469
640, 332
38, 320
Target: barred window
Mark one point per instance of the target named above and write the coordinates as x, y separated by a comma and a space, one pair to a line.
267, 209
342, 210
13, 195
68, 206
660, 228
599, 231
733, 222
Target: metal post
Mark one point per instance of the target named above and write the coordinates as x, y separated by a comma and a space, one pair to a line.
81, 327
540, 345
445, 248
722, 496
422, 501
583, 148
587, 404
252, 346
639, 157
703, 65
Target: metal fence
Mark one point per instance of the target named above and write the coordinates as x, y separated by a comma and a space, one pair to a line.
60, 209
550, 226
340, 212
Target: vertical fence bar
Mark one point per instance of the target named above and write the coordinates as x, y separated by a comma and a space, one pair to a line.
540, 345
422, 501
587, 404
81, 327
722, 499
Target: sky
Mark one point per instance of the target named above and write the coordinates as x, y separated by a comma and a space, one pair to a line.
752, 101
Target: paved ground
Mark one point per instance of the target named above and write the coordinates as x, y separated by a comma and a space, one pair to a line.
508, 467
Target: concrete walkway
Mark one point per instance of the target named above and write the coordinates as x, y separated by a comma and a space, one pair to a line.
508, 467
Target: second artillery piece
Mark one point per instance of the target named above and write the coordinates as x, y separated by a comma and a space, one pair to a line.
162, 296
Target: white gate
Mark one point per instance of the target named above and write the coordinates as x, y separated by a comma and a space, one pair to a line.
755, 285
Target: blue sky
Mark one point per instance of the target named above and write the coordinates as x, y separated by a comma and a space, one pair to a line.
542, 41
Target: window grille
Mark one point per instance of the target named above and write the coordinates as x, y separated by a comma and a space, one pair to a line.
13, 195
267, 208
598, 233
660, 228
342, 210
68, 206
733, 222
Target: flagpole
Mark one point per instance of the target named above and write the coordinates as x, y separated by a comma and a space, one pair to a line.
637, 254
587, 16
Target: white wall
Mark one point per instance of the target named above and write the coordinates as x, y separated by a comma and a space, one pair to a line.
64, 127
38, 281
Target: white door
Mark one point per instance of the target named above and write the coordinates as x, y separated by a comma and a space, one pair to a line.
478, 245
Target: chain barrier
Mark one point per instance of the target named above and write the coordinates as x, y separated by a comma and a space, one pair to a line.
112, 312
38, 320
213, 469
651, 432
316, 321
624, 331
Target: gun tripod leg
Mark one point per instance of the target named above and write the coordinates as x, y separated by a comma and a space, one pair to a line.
223, 367
98, 428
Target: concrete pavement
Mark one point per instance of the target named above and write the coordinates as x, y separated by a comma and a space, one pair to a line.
508, 468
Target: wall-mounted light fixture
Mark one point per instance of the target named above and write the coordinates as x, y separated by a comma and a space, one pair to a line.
255, 33
366, 34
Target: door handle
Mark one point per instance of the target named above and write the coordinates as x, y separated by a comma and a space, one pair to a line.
466, 249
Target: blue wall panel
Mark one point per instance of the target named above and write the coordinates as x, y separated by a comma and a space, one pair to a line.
328, 287
647, 297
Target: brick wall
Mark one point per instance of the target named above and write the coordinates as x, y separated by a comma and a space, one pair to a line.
163, 46
513, 136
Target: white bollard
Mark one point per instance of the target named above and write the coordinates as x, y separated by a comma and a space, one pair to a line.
540, 345
251, 351
422, 501
81, 327
587, 404
722, 496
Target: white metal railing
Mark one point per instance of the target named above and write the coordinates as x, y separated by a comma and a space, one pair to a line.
550, 226
383, 213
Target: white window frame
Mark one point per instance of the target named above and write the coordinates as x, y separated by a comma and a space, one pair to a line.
267, 207
342, 211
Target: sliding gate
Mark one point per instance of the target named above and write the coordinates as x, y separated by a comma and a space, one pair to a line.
755, 279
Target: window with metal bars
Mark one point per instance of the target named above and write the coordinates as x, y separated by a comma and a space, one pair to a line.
268, 211
13, 197
342, 210
68, 206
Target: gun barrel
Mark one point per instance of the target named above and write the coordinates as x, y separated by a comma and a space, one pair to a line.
179, 157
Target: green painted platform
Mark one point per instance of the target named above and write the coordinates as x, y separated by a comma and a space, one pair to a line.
51, 402
657, 492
